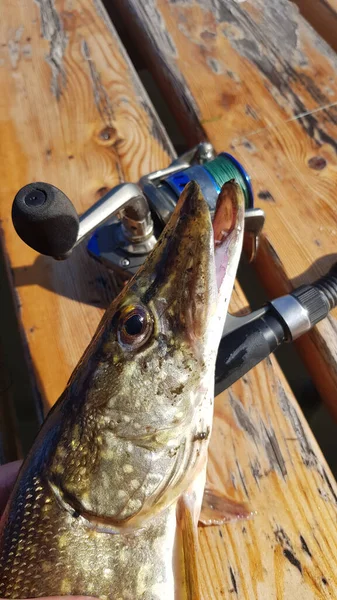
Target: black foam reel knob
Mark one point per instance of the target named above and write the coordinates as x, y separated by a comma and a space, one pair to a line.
45, 219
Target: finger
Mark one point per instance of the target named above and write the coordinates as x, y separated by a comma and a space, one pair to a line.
8, 475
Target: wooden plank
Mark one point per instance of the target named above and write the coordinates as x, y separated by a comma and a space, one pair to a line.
262, 452
257, 80
73, 114
322, 16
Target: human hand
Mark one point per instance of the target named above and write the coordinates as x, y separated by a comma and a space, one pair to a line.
8, 475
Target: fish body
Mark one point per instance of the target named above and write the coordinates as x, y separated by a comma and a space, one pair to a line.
108, 500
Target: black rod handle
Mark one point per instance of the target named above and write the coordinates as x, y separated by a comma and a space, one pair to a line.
244, 348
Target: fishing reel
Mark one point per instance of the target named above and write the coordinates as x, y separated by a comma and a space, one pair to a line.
122, 228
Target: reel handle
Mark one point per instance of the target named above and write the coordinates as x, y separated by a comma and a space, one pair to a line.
46, 220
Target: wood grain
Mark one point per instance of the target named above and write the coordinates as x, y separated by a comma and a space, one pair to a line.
72, 114
262, 453
263, 86
322, 15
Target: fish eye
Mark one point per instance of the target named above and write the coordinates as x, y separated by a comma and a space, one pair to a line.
135, 327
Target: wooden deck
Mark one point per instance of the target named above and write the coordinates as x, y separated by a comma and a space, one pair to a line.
258, 81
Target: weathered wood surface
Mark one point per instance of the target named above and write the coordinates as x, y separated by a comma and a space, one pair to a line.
262, 453
72, 114
258, 81
322, 14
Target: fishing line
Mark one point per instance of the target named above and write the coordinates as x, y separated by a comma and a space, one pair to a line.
224, 168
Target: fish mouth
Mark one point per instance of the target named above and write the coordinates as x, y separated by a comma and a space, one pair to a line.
178, 277
183, 276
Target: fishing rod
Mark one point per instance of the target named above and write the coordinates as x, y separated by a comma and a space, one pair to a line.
250, 339
122, 228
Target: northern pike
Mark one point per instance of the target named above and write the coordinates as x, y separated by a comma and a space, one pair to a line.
108, 500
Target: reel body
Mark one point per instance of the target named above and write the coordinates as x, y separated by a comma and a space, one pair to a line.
123, 226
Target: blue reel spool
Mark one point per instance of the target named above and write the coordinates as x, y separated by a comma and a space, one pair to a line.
109, 245
211, 177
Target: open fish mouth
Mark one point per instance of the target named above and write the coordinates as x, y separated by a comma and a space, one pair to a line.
178, 277
191, 272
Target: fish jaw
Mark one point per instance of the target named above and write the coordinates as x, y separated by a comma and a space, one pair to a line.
228, 229
178, 279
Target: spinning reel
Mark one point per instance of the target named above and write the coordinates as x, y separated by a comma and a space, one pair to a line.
123, 227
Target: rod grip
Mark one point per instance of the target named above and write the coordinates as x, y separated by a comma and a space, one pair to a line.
244, 348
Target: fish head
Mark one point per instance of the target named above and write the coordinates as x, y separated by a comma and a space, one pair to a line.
129, 432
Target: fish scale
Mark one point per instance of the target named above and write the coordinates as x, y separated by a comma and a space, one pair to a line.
108, 500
